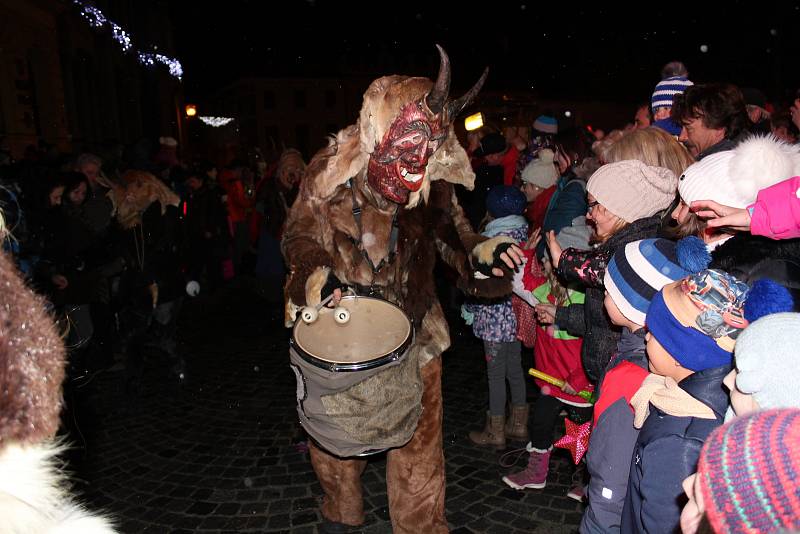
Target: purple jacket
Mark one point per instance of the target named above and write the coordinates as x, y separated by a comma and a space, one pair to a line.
496, 321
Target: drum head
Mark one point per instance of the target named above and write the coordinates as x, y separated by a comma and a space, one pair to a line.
376, 329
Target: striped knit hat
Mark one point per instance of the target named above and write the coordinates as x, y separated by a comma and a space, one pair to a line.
638, 271
748, 473
666, 90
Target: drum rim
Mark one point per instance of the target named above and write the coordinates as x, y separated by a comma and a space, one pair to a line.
394, 355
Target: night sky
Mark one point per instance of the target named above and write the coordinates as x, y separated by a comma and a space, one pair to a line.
560, 51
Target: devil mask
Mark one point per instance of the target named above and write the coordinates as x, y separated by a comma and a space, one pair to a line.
398, 163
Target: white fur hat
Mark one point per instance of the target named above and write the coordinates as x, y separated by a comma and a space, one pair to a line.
734, 177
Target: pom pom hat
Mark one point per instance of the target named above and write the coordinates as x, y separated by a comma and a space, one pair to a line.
640, 269
748, 474
734, 177
698, 319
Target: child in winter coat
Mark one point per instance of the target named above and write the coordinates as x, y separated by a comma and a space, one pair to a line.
558, 354
495, 324
634, 274
693, 325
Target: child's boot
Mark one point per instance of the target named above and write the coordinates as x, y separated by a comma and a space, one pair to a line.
534, 476
493, 435
517, 423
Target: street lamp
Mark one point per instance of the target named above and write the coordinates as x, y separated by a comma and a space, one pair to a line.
191, 110
473, 122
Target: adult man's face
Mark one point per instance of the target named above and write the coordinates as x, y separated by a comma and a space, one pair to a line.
698, 137
397, 166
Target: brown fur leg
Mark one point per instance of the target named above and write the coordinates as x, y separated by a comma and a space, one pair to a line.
415, 472
341, 481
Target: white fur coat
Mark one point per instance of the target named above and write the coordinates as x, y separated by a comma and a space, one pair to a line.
34, 495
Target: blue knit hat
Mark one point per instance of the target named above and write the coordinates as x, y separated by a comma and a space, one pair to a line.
504, 200
546, 124
640, 269
698, 319
666, 90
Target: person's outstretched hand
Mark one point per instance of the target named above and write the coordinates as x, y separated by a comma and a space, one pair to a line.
717, 215
512, 257
555, 248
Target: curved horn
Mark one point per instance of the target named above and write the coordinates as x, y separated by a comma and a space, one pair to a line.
457, 106
438, 96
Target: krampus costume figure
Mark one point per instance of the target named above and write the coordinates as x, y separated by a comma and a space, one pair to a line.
374, 208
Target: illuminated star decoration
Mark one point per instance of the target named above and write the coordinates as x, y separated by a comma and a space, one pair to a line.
98, 20
576, 439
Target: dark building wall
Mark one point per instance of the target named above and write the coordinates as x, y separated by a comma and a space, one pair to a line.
68, 84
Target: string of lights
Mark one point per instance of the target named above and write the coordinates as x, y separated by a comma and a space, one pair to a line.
96, 19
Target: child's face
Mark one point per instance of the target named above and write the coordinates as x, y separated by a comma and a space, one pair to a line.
742, 403
616, 315
693, 511
661, 362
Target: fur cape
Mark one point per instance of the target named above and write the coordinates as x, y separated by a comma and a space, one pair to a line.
34, 495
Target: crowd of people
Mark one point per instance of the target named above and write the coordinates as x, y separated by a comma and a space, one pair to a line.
662, 267
657, 281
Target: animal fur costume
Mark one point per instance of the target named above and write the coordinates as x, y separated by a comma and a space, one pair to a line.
34, 493
323, 243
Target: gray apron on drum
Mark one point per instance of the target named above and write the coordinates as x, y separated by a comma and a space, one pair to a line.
359, 389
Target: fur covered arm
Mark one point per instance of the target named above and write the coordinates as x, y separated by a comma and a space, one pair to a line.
571, 319
309, 264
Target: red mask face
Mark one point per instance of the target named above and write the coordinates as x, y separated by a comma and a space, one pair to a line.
397, 166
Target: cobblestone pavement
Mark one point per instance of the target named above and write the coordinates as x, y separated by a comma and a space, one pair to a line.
220, 452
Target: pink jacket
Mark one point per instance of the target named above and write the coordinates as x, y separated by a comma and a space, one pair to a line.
776, 212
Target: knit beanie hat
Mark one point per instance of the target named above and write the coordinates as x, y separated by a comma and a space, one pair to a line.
768, 361
541, 170
546, 124
734, 177
632, 190
748, 473
504, 200
666, 90
640, 269
698, 319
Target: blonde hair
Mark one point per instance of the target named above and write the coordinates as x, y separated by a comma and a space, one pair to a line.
600, 239
652, 146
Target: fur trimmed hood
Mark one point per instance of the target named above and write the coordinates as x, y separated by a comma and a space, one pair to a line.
34, 496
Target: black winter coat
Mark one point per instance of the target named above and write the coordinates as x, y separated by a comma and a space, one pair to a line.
750, 258
666, 452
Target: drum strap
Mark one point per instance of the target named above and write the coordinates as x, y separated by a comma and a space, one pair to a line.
392, 237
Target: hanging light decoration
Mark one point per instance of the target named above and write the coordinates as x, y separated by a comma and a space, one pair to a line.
96, 19
216, 122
